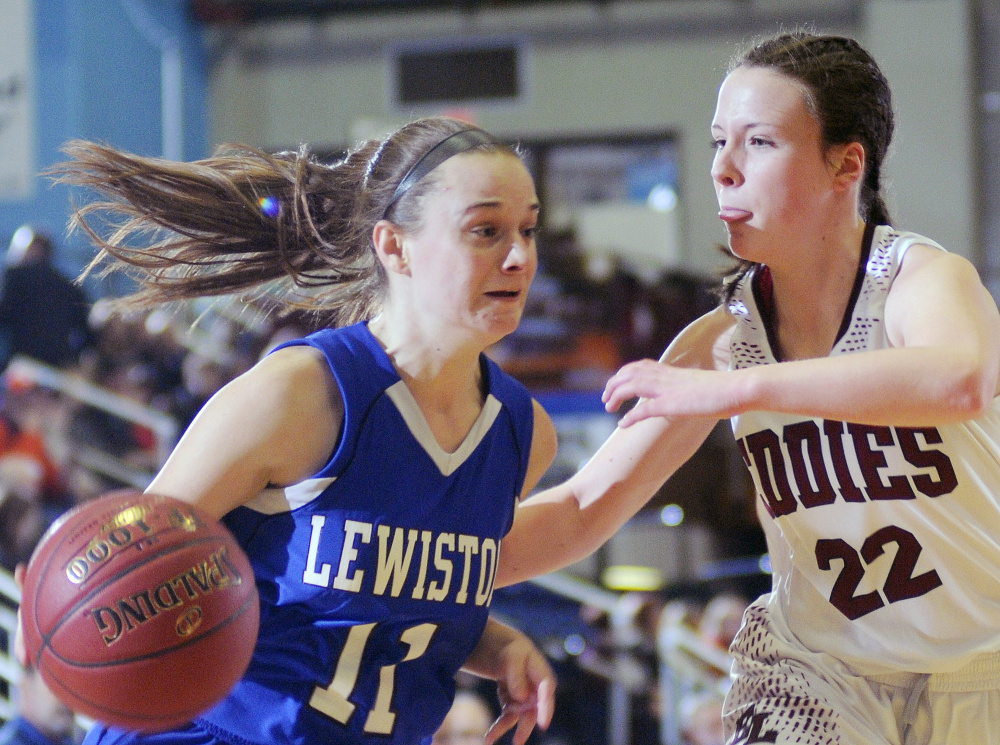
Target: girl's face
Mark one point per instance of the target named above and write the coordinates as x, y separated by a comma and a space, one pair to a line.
473, 258
771, 178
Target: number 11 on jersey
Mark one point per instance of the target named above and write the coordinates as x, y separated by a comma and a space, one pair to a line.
333, 700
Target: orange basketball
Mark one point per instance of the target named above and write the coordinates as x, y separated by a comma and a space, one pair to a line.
139, 610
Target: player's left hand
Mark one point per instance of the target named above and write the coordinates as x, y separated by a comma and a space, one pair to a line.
526, 687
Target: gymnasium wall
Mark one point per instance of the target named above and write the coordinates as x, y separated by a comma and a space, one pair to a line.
330, 83
99, 73
94, 70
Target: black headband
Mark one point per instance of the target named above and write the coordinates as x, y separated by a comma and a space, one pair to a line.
448, 147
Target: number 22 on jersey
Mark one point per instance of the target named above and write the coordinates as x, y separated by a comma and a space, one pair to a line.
900, 583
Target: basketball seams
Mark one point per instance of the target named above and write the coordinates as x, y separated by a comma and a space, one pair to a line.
237, 615
171, 604
68, 616
129, 569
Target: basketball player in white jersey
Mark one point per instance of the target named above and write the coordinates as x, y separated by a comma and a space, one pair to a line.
859, 365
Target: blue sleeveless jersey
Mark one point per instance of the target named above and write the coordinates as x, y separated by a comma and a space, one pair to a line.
375, 575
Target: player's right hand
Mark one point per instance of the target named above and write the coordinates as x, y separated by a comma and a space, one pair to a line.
526, 688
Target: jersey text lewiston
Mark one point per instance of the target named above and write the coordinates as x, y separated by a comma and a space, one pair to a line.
427, 565
809, 465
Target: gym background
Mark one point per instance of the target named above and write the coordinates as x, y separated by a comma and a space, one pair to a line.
610, 100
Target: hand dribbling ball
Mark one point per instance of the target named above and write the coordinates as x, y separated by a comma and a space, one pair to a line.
139, 610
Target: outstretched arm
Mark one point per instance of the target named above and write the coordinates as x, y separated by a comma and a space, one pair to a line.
944, 365
568, 522
565, 523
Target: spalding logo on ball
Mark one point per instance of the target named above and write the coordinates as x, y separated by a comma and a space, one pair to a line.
139, 610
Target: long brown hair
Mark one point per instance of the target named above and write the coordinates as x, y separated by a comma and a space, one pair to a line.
284, 226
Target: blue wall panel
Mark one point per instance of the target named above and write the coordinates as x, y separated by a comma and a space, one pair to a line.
98, 76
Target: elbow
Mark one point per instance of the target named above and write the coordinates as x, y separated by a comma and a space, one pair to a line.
973, 393
976, 404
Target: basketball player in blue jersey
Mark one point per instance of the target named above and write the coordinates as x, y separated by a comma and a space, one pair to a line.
369, 470
860, 366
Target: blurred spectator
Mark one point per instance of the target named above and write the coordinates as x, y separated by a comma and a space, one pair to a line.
43, 315
32, 485
722, 618
467, 722
701, 718
201, 377
41, 718
109, 433
282, 331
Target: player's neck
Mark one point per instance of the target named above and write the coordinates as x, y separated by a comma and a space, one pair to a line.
437, 374
810, 300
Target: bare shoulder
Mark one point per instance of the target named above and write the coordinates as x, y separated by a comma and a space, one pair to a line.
938, 298
292, 385
277, 423
544, 443
704, 343
923, 262
295, 365
929, 275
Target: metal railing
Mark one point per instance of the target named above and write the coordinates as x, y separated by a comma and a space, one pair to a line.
23, 371
10, 670
28, 372
686, 662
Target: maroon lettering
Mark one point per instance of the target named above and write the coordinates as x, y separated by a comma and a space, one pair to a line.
842, 596
741, 444
946, 480
750, 728
900, 584
871, 461
807, 434
743, 452
764, 447
834, 432
793, 470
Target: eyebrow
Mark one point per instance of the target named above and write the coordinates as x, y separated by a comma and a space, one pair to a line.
535, 207
749, 125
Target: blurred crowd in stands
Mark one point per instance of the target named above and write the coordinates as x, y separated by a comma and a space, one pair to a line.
171, 361
687, 630
153, 359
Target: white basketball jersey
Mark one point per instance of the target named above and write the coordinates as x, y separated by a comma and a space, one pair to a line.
884, 541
